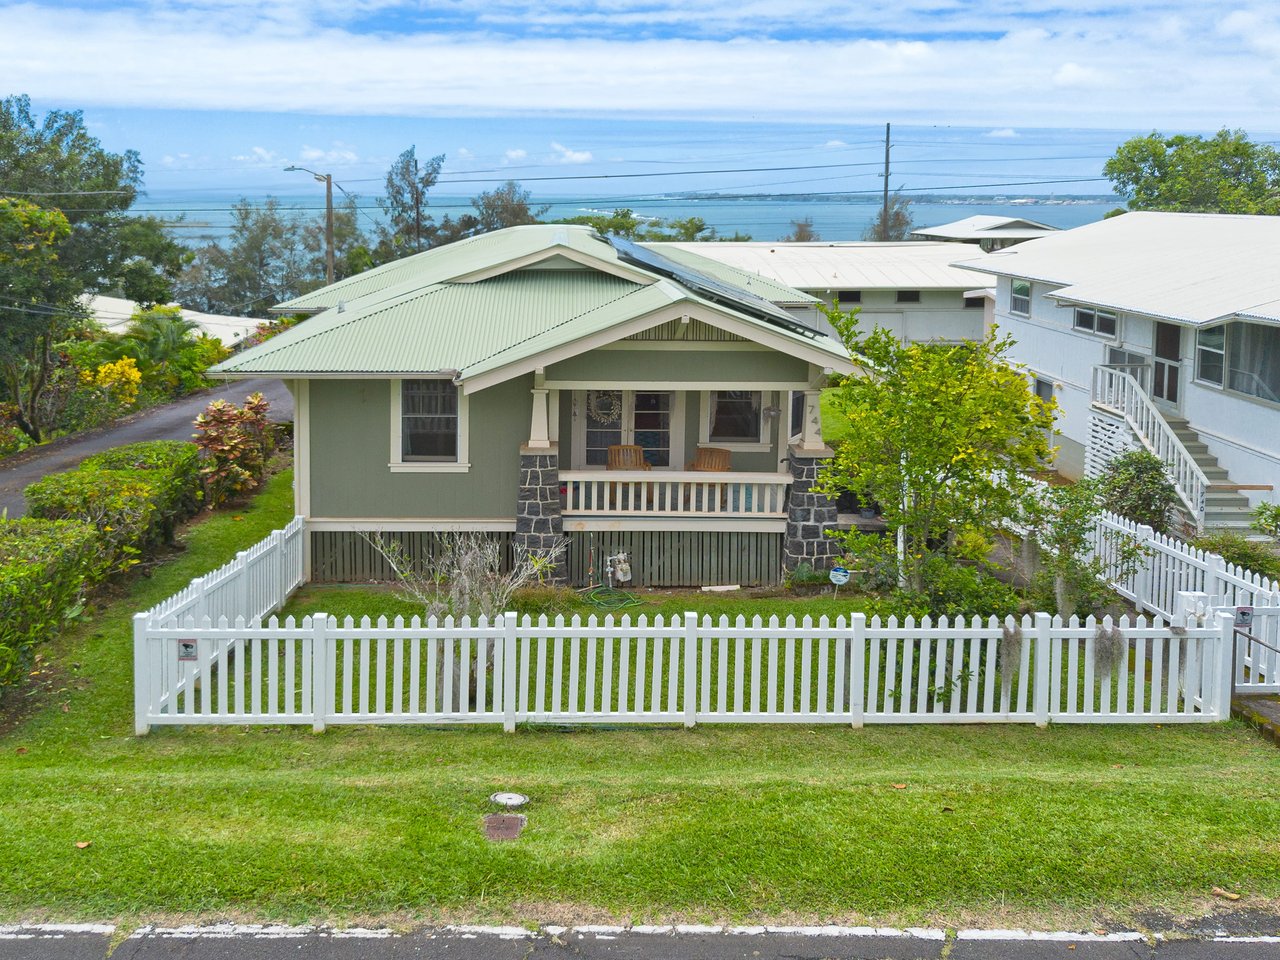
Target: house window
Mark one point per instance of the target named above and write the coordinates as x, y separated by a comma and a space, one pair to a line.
1020, 297
735, 416
1043, 389
849, 296
974, 303
428, 420
428, 426
1253, 361
1211, 355
1095, 321
908, 296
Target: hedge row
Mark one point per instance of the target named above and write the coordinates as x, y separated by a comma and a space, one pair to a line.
44, 567
135, 495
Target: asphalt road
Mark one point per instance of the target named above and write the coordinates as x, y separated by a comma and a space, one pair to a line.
214, 943
170, 422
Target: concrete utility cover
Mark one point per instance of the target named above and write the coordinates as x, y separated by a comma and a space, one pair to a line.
503, 826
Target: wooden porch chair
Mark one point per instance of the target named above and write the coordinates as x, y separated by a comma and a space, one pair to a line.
628, 456
707, 460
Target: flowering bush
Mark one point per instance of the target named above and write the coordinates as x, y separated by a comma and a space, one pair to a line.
236, 443
119, 379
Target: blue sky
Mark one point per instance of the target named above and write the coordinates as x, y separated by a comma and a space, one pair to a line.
224, 94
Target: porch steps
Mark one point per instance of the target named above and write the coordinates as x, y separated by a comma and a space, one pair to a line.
1224, 510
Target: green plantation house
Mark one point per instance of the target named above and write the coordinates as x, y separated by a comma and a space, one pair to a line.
543, 382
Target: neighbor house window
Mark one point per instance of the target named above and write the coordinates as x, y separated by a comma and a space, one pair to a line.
1211, 355
908, 296
1020, 297
428, 420
974, 303
735, 416
1095, 321
849, 296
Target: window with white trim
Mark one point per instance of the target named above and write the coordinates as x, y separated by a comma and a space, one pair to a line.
1095, 321
1020, 297
428, 424
1211, 355
735, 417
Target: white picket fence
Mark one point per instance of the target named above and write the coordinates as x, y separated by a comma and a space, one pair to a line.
254, 584
686, 670
1171, 567
1257, 633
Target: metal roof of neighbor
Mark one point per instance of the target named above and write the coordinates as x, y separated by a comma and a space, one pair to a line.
985, 227
822, 267
1194, 268
755, 283
473, 326
115, 314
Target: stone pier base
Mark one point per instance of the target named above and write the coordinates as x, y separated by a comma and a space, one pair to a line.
539, 526
809, 515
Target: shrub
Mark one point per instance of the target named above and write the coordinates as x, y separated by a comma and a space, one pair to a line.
1137, 486
173, 468
954, 589
236, 443
119, 503
1266, 519
44, 565
119, 379
1235, 548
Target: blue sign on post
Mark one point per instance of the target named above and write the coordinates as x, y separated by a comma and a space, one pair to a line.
839, 576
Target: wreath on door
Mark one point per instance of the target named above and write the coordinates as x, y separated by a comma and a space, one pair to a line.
604, 406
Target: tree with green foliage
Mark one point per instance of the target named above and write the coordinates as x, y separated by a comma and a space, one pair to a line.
39, 305
897, 226
802, 231
623, 222
56, 162
506, 206
942, 438
1225, 173
1137, 486
351, 249
409, 227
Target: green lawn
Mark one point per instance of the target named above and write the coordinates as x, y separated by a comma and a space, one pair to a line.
1011, 823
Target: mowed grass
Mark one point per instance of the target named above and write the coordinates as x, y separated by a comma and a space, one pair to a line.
888, 823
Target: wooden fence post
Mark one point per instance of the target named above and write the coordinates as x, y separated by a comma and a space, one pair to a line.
321, 695
690, 669
858, 668
1043, 644
509, 672
141, 676
1142, 582
1224, 673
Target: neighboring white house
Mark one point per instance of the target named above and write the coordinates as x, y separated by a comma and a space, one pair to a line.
988, 232
910, 288
115, 313
1159, 330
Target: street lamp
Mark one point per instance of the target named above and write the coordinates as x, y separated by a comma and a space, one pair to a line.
327, 180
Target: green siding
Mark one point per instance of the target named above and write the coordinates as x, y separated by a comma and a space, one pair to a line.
350, 439
715, 366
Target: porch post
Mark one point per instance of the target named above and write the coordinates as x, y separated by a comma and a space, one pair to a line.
809, 514
811, 426
539, 526
539, 431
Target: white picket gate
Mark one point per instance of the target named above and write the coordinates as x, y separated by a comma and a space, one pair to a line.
686, 670
1257, 636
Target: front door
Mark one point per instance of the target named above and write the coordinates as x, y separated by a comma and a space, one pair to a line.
642, 417
1167, 363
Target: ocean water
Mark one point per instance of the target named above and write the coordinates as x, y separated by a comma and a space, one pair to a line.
198, 217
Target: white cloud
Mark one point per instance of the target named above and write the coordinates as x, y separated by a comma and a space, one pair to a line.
1038, 63
258, 156
834, 145
462, 153
338, 154
1002, 133
512, 156
564, 155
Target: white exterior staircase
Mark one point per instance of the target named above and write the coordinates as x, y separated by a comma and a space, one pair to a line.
1225, 507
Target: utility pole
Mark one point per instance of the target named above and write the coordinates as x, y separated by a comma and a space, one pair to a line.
884, 209
327, 180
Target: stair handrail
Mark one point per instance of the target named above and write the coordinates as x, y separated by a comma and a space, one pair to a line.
1121, 393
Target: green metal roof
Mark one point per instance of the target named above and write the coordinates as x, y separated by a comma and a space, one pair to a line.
559, 288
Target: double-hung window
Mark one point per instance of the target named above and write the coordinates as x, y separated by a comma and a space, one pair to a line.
1020, 297
428, 426
1095, 321
1211, 350
734, 418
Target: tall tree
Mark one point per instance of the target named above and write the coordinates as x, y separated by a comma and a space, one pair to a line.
941, 437
56, 162
802, 231
39, 304
898, 225
410, 227
350, 244
506, 206
1225, 173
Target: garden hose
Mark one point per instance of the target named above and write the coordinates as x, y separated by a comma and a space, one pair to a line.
610, 598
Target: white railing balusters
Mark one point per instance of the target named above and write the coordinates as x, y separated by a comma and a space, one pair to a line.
659, 493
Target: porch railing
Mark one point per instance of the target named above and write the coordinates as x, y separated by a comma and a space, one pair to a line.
674, 493
1119, 392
